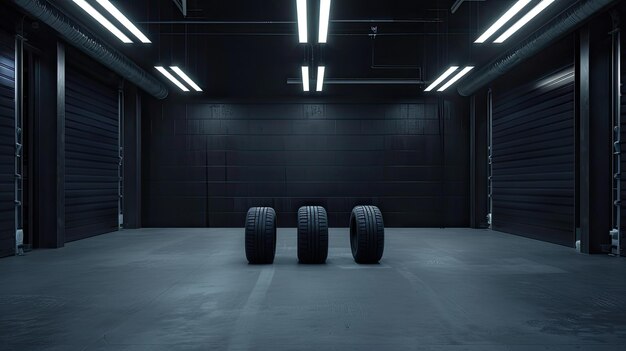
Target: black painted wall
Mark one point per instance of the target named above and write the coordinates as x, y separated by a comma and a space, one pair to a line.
205, 164
7, 144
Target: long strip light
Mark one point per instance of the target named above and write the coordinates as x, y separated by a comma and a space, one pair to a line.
441, 78
324, 19
458, 76
527, 17
186, 78
502, 20
305, 78
320, 77
169, 76
123, 20
103, 21
302, 21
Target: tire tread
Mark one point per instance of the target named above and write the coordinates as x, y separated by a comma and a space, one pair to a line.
260, 235
367, 234
312, 234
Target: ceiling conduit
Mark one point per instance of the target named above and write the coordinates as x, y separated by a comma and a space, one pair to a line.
98, 50
563, 24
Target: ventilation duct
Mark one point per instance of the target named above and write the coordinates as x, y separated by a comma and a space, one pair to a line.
99, 51
563, 24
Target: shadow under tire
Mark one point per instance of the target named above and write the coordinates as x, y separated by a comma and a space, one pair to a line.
312, 234
261, 235
367, 234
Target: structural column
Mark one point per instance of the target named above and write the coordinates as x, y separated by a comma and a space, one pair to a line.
132, 157
594, 127
478, 161
50, 148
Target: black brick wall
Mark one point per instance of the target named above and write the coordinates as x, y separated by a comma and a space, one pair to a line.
205, 164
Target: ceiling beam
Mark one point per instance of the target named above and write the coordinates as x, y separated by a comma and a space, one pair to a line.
363, 81
182, 6
458, 4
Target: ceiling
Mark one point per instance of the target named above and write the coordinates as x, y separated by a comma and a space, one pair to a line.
249, 49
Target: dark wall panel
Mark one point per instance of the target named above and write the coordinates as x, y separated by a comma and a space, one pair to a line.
92, 156
7, 144
534, 159
206, 164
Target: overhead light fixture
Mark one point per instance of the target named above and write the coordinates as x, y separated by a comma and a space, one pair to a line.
103, 21
324, 19
320, 77
185, 77
441, 78
169, 76
458, 76
502, 20
305, 78
302, 21
123, 20
527, 17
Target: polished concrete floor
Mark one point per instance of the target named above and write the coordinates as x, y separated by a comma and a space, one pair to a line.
192, 289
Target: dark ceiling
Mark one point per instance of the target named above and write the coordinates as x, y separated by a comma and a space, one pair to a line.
249, 49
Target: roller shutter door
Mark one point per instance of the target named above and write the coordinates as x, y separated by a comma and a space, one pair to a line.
7, 144
92, 156
534, 159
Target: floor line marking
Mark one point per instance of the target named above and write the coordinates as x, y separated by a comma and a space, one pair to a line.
240, 336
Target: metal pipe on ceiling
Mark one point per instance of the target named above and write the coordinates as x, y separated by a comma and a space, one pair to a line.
363, 81
182, 6
199, 22
259, 34
563, 24
373, 64
458, 4
96, 49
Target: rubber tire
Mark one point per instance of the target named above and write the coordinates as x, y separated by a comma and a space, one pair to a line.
367, 234
261, 235
312, 234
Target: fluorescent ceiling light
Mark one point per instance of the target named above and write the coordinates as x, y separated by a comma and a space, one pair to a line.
305, 78
123, 20
458, 76
503, 20
169, 76
443, 77
320, 77
185, 78
324, 19
302, 22
527, 17
103, 21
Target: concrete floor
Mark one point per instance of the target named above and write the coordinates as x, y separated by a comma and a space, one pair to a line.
192, 289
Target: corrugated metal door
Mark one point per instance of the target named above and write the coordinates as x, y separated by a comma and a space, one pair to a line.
7, 144
92, 156
534, 159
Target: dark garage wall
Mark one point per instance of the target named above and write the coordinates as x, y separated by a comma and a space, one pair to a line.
7, 144
205, 164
